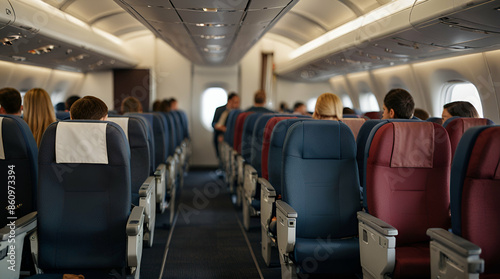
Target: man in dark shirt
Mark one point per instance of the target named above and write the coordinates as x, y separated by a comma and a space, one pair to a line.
259, 102
219, 125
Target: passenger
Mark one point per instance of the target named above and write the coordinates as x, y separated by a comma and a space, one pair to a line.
174, 105
421, 114
328, 107
220, 118
259, 101
398, 103
131, 104
165, 106
89, 108
61, 106
459, 108
300, 109
347, 110
157, 105
38, 112
10, 101
284, 108
70, 101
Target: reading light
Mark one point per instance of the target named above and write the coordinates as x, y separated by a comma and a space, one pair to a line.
211, 10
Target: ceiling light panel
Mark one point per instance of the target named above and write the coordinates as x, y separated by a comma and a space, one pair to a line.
220, 4
208, 30
192, 16
158, 14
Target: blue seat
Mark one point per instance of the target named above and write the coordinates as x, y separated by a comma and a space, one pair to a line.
320, 199
19, 165
246, 137
228, 151
85, 225
62, 115
474, 192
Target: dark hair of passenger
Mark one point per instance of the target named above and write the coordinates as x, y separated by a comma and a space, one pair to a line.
157, 105
10, 100
165, 106
260, 97
347, 110
89, 108
462, 109
421, 114
131, 104
401, 102
297, 105
70, 101
231, 95
61, 106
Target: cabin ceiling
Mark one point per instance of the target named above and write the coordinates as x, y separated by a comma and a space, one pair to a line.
228, 33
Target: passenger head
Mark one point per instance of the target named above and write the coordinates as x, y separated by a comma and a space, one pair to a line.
300, 108
38, 112
328, 107
283, 107
61, 106
421, 114
10, 101
174, 105
259, 99
165, 106
89, 108
347, 110
131, 104
157, 105
233, 101
459, 108
70, 101
398, 103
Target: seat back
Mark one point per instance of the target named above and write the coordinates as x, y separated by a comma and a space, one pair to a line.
62, 115
238, 130
275, 158
475, 188
136, 133
266, 144
172, 132
407, 177
246, 137
84, 196
185, 123
437, 120
179, 130
160, 136
230, 125
146, 121
354, 124
320, 178
456, 127
373, 115
17, 149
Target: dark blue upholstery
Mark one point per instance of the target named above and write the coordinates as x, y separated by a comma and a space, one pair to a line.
185, 123
276, 151
139, 154
230, 123
246, 138
320, 181
83, 208
149, 133
178, 126
62, 115
171, 131
160, 139
21, 151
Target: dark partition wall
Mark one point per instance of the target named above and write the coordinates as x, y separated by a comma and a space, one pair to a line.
135, 83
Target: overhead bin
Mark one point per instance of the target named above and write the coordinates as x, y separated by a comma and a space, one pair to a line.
36, 33
413, 31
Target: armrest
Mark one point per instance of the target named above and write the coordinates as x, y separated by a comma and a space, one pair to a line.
250, 182
147, 187
24, 224
286, 224
134, 229
135, 221
267, 198
160, 176
377, 246
453, 256
266, 187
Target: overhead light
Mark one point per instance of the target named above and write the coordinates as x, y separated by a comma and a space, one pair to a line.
40, 50
211, 24
7, 41
377, 14
211, 10
18, 58
212, 37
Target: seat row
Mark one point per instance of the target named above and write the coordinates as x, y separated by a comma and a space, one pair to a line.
74, 195
317, 172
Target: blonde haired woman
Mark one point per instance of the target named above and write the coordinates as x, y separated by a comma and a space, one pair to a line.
38, 112
328, 107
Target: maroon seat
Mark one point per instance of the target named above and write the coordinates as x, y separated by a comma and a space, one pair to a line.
457, 127
354, 124
373, 115
238, 130
407, 186
268, 130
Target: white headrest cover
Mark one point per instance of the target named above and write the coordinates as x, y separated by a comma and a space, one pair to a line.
81, 143
122, 122
2, 152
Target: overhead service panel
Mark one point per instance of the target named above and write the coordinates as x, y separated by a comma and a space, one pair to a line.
36, 33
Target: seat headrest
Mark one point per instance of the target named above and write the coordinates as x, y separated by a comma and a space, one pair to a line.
83, 143
413, 145
2, 151
122, 122
355, 124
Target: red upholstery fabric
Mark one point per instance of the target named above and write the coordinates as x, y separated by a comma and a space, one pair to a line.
413, 261
268, 130
238, 130
354, 124
480, 206
413, 148
410, 199
373, 115
457, 127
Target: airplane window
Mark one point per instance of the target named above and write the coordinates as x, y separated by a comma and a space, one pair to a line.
464, 91
211, 98
346, 101
368, 102
311, 104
